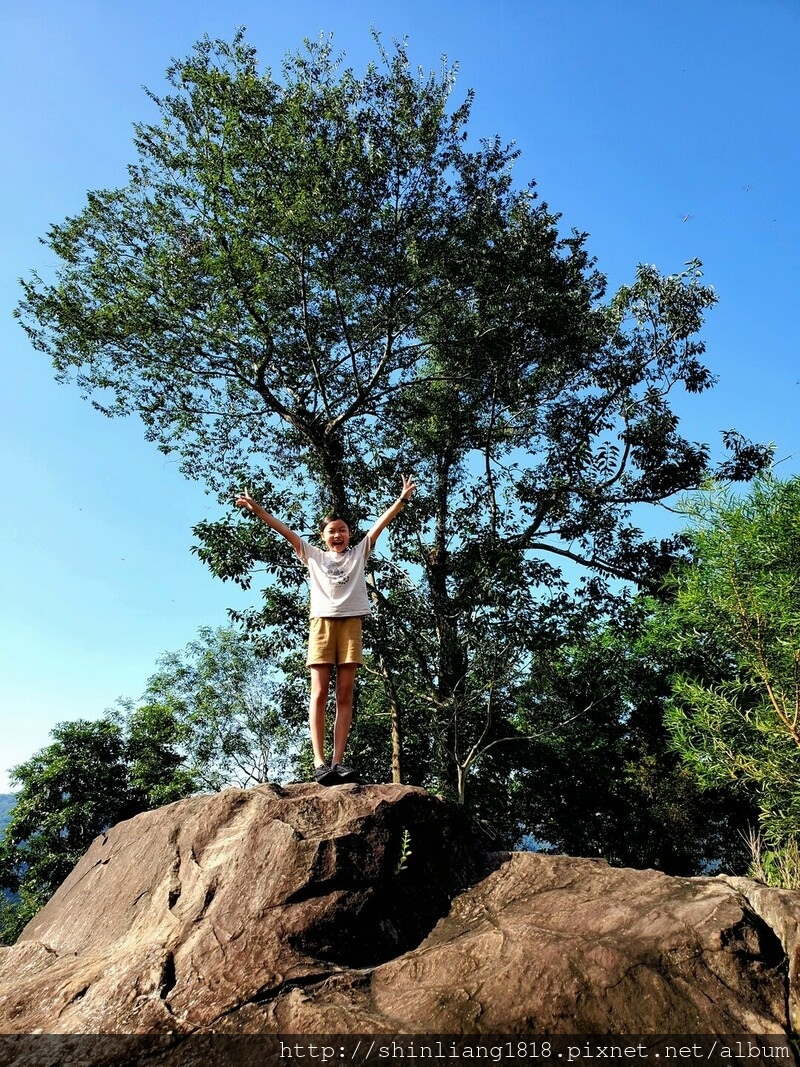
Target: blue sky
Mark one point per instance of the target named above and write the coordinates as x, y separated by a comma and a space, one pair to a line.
666, 131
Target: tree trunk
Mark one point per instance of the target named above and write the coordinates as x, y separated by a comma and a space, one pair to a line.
462, 784
397, 745
451, 662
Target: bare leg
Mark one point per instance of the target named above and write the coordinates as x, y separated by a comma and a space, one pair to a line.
345, 683
320, 681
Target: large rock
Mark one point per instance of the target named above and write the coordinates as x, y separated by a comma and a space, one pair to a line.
297, 910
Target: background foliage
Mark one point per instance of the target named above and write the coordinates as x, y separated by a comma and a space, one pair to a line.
736, 720
93, 775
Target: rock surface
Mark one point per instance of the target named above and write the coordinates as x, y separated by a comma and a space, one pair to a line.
296, 910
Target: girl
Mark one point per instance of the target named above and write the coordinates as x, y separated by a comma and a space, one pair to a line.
339, 601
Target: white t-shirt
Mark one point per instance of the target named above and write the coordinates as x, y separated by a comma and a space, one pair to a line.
336, 580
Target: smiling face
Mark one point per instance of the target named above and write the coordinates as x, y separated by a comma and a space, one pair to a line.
336, 535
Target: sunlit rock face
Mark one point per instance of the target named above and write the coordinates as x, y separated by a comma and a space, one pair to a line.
379, 909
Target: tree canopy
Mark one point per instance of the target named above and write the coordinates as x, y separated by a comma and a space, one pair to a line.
314, 281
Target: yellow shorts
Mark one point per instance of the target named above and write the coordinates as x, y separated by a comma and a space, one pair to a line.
335, 641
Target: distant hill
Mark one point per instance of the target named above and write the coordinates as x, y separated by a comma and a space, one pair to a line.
7, 802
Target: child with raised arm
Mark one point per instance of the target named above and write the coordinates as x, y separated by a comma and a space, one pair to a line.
339, 601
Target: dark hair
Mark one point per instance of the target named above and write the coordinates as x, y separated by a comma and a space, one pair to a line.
332, 516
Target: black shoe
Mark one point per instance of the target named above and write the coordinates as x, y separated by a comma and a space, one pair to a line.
324, 775
344, 774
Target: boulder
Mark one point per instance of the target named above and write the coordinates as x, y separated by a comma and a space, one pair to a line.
183, 914
379, 910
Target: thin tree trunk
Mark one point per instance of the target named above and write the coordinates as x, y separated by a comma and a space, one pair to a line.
397, 744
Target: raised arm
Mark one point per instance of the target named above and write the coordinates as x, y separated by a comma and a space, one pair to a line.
244, 500
393, 509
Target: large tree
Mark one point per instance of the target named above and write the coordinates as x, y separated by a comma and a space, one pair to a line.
312, 282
